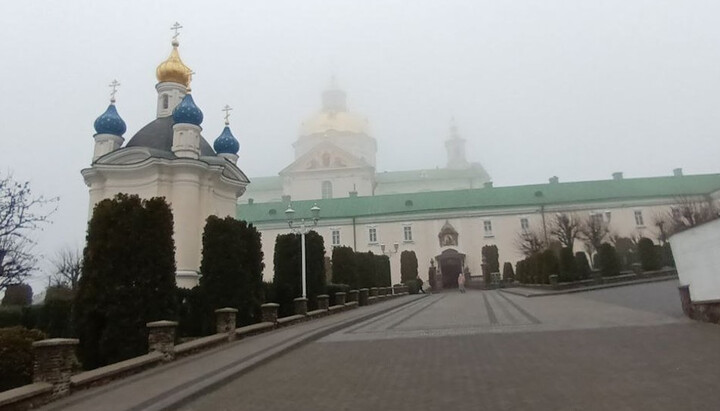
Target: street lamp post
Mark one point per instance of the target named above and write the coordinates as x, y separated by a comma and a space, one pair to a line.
302, 229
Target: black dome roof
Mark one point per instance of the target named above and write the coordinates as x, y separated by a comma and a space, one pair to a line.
158, 134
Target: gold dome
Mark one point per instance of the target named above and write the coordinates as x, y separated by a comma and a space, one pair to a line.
173, 69
339, 121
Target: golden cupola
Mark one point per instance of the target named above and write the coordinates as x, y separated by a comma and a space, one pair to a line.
173, 69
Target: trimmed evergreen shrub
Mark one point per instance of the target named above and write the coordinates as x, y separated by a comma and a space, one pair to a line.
582, 264
55, 314
549, 266
508, 273
11, 316
649, 255
232, 268
365, 266
382, 271
408, 266
608, 261
568, 266
491, 257
344, 266
269, 295
413, 286
520, 273
195, 317
288, 270
16, 361
18, 294
128, 278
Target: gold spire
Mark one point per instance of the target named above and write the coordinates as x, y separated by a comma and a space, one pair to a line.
173, 69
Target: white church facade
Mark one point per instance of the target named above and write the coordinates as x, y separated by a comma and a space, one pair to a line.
170, 158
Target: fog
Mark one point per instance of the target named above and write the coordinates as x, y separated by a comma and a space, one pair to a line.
576, 89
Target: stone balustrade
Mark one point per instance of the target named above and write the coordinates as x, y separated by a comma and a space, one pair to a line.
161, 338
270, 312
225, 321
300, 306
363, 296
340, 298
323, 301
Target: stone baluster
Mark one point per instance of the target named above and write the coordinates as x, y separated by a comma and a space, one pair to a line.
53, 363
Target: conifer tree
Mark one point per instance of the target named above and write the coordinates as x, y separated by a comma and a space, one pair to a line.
128, 278
344, 267
408, 266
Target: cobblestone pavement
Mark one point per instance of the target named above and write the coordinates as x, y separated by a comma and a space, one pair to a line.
625, 348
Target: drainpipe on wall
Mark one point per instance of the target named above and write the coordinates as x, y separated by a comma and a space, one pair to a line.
354, 236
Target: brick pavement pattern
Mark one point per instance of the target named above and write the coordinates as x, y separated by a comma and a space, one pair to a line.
623, 348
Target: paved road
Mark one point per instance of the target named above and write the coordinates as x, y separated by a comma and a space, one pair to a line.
625, 348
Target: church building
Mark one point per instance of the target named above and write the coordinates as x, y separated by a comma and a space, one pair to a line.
169, 157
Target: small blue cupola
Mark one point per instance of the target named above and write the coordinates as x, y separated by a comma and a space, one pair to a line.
187, 112
110, 122
226, 143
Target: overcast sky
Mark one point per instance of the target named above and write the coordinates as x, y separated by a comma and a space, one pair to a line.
577, 89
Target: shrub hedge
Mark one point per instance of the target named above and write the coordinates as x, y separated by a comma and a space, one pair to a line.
16, 357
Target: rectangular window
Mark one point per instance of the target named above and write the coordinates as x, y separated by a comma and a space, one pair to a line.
407, 233
372, 235
524, 224
639, 218
335, 237
487, 225
597, 218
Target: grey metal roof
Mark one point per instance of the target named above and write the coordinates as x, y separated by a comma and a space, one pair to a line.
158, 134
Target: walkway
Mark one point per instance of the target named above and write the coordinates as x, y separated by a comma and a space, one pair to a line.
164, 386
625, 348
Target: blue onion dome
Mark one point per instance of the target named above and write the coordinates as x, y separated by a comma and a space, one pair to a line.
187, 112
226, 143
110, 122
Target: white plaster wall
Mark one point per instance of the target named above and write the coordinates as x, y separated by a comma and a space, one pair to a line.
309, 186
697, 258
471, 234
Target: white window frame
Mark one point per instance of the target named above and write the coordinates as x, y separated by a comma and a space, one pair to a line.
524, 224
487, 232
407, 233
372, 232
335, 233
639, 218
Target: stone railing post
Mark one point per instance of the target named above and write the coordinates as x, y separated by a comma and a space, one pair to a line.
352, 296
161, 338
373, 292
300, 305
340, 298
53, 363
225, 319
363, 294
323, 301
269, 312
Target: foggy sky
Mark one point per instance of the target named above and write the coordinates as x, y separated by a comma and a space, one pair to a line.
577, 89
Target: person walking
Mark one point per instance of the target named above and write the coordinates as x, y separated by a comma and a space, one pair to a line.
461, 282
420, 284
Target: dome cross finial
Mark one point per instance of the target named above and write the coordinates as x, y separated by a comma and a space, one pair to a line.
114, 85
176, 28
227, 110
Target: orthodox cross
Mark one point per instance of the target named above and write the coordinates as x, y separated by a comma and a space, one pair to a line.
176, 28
227, 109
114, 85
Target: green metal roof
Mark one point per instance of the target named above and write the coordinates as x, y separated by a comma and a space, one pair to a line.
490, 198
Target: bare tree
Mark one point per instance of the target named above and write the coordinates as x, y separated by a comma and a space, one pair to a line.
529, 242
565, 228
67, 265
687, 212
21, 213
593, 231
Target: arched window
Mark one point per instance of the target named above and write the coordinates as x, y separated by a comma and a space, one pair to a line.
327, 189
165, 101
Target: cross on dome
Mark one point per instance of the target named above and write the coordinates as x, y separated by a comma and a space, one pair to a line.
114, 85
176, 28
227, 110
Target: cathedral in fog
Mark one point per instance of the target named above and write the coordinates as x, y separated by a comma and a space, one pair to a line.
335, 158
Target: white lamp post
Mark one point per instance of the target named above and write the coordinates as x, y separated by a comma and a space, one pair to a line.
302, 229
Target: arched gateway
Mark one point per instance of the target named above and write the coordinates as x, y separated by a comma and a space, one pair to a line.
450, 262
